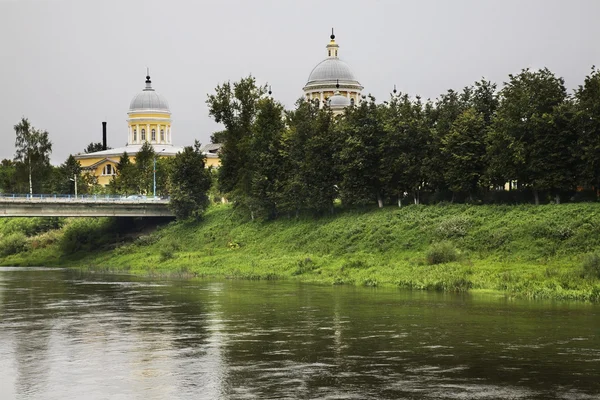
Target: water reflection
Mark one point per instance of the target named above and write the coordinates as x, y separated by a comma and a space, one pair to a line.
68, 335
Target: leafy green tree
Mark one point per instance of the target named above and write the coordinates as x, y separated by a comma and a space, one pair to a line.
404, 147
447, 109
359, 158
125, 181
63, 181
524, 126
144, 166
266, 160
464, 150
234, 105
484, 100
218, 137
587, 125
33, 149
189, 182
8, 176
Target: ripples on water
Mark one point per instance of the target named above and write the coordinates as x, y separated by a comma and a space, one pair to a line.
67, 335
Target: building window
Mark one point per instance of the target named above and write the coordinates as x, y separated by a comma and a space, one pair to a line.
108, 170
143, 134
329, 53
135, 135
351, 102
162, 135
154, 135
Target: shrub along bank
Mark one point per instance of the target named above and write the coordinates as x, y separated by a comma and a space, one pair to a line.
550, 251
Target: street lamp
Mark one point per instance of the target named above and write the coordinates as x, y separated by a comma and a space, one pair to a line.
154, 190
74, 179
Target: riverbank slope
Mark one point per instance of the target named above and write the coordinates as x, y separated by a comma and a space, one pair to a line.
544, 251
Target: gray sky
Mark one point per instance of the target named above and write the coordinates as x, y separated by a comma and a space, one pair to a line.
69, 65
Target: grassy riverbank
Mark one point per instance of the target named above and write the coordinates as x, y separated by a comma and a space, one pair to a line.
527, 251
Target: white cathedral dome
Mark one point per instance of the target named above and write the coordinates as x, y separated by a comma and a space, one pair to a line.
149, 100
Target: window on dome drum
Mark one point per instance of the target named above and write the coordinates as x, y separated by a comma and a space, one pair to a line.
162, 135
329, 53
153, 135
135, 135
143, 134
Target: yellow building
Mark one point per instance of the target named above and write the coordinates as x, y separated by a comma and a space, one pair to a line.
149, 121
332, 81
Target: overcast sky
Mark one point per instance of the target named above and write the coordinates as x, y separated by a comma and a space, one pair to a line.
69, 65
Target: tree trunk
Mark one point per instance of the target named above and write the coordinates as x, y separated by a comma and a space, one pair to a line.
400, 201
379, 200
252, 215
557, 198
452, 199
30, 184
536, 197
416, 197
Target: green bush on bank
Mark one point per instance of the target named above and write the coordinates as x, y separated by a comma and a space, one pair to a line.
441, 253
13, 243
591, 266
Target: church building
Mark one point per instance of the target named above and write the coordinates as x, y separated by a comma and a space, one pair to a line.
149, 121
332, 81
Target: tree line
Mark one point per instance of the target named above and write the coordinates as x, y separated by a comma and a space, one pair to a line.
529, 141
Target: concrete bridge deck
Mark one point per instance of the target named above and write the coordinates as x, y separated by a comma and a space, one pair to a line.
83, 206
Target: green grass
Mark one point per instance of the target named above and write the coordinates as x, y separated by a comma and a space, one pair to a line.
549, 251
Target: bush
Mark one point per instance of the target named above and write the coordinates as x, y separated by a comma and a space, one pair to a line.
454, 227
303, 266
85, 234
146, 240
441, 253
13, 244
167, 251
591, 266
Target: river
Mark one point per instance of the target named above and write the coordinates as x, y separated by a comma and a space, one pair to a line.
72, 335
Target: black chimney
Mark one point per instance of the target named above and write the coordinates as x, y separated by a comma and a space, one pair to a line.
103, 135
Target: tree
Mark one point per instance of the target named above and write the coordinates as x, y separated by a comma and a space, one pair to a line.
464, 150
33, 149
94, 147
189, 182
447, 109
235, 107
358, 160
125, 181
587, 125
265, 159
8, 176
63, 181
526, 141
405, 147
144, 166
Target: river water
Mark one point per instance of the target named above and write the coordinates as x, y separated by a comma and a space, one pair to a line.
71, 335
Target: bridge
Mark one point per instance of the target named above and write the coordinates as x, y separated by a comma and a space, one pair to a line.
83, 206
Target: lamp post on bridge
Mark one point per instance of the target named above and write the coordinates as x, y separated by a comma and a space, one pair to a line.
74, 179
154, 173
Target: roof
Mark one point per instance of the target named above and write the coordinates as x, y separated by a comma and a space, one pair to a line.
148, 100
211, 148
132, 149
330, 70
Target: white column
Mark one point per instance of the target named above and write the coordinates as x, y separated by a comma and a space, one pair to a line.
147, 132
137, 128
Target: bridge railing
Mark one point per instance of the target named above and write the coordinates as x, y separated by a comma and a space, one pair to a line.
86, 198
